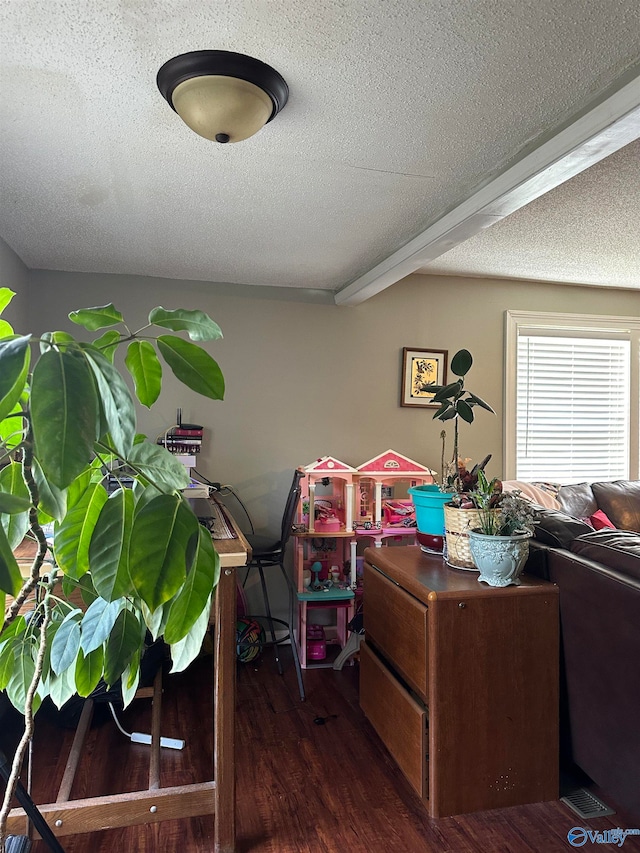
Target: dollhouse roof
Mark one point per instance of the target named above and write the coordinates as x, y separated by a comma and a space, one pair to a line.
329, 465
391, 463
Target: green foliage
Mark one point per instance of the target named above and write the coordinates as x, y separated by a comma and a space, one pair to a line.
501, 513
145, 368
455, 403
133, 562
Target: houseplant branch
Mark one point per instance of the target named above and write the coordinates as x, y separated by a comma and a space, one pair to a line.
138, 556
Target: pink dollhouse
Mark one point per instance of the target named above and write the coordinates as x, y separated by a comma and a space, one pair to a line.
328, 488
377, 506
340, 505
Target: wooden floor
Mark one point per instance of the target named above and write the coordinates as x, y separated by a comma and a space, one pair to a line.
312, 777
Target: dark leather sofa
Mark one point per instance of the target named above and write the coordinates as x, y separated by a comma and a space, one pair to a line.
598, 574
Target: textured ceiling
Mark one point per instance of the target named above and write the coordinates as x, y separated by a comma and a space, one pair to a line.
583, 232
397, 113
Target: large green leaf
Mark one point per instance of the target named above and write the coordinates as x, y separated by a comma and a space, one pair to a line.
187, 649
14, 366
108, 343
10, 577
461, 362
198, 324
192, 366
14, 494
89, 670
12, 428
72, 536
23, 671
477, 401
84, 584
6, 329
14, 503
12, 642
115, 400
159, 466
155, 621
196, 591
16, 527
157, 554
7, 659
57, 340
78, 487
14, 629
64, 409
62, 687
6, 295
146, 370
66, 642
447, 414
97, 318
52, 499
130, 680
121, 646
57, 617
446, 392
465, 411
109, 548
97, 623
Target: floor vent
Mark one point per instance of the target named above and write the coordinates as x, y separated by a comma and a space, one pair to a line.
585, 804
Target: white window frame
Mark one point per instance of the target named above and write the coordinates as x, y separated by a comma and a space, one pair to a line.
572, 324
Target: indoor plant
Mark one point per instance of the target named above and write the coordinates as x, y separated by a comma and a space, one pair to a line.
457, 402
500, 543
143, 564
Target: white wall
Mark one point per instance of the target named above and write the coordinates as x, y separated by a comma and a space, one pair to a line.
304, 380
14, 275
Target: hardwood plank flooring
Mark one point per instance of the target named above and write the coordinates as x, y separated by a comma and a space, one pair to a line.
302, 786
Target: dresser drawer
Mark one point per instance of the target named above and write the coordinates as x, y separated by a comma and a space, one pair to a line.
396, 623
399, 720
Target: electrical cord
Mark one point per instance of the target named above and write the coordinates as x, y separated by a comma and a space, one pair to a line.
164, 435
222, 490
246, 512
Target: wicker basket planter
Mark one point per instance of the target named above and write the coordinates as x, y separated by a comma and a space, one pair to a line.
457, 523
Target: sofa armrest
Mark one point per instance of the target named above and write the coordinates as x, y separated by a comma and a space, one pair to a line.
558, 529
615, 549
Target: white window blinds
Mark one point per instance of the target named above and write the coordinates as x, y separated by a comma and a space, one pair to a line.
573, 403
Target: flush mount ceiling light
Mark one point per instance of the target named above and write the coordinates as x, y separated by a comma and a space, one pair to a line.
223, 96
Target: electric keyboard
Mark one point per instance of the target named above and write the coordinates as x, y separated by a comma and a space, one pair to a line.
217, 523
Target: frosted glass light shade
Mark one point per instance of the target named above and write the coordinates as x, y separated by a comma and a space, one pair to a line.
220, 95
217, 107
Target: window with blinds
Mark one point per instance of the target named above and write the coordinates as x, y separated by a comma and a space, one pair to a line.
572, 406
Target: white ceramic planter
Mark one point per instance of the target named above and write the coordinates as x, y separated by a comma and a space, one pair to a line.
500, 559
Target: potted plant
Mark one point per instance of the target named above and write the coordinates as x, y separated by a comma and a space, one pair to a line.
457, 402
500, 542
142, 564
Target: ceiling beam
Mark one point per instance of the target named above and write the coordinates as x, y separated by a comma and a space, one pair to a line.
610, 125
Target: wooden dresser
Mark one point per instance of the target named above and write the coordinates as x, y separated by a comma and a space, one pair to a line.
460, 681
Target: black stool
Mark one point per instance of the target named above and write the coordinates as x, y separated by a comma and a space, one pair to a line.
267, 553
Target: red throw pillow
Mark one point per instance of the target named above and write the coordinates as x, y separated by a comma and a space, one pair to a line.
599, 520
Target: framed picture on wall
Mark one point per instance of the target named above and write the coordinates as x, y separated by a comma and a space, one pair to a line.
420, 369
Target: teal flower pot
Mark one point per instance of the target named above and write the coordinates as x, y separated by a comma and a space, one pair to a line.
500, 559
429, 502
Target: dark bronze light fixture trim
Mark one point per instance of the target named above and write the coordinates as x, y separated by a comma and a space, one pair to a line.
222, 64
